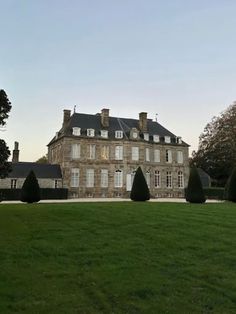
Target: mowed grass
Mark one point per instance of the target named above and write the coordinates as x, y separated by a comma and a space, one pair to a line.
118, 258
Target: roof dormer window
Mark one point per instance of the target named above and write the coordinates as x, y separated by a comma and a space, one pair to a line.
76, 131
167, 139
90, 132
119, 134
104, 133
146, 136
156, 138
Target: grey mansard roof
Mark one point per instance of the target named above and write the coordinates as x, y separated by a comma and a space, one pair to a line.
89, 121
42, 171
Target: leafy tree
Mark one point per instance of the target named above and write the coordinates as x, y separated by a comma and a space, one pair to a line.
230, 189
217, 146
140, 191
194, 191
43, 160
30, 192
5, 107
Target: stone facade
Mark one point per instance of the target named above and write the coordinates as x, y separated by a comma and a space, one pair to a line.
164, 162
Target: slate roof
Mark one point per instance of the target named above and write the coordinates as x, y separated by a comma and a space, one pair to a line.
42, 171
88, 121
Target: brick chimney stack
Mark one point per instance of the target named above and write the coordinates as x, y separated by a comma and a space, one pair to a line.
15, 153
66, 116
143, 121
105, 118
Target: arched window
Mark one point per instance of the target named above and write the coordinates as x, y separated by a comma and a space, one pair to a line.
118, 179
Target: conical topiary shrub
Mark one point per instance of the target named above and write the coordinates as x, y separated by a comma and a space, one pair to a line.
230, 189
140, 190
30, 192
194, 191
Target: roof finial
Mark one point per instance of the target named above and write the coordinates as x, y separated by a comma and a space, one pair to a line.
74, 108
156, 116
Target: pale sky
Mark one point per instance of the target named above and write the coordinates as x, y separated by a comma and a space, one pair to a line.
174, 58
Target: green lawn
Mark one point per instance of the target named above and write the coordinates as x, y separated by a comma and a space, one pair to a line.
118, 258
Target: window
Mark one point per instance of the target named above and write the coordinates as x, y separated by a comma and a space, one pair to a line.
180, 179
74, 178
105, 152
167, 139
75, 151
90, 132
180, 158
168, 156
147, 154
157, 155
57, 183
76, 131
168, 179
146, 136
119, 152
179, 140
148, 178
91, 151
90, 178
118, 179
156, 138
13, 183
119, 134
104, 178
135, 153
104, 133
157, 179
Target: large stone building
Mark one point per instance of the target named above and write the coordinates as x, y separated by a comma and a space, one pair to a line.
99, 154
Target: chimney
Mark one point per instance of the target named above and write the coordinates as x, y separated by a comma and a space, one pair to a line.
143, 121
66, 116
15, 152
105, 118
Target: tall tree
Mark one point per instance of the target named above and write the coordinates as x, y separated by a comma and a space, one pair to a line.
217, 146
5, 107
42, 160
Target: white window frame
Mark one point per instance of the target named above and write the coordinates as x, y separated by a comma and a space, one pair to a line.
13, 183
89, 178
167, 139
104, 178
147, 154
90, 132
105, 152
56, 184
74, 183
180, 180
118, 179
148, 178
118, 134
119, 152
169, 179
75, 151
156, 138
146, 137
104, 133
180, 157
157, 179
157, 155
168, 156
76, 131
135, 153
92, 151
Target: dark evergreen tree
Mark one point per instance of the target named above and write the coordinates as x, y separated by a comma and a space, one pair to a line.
194, 191
230, 189
140, 191
30, 192
5, 107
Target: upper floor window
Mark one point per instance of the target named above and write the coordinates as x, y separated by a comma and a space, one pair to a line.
91, 151
75, 151
119, 134
180, 158
76, 131
180, 179
104, 133
90, 132
146, 136
119, 152
104, 178
90, 178
156, 138
118, 179
13, 183
157, 157
135, 153
167, 139
147, 154
105, 152
168, 156
74, 183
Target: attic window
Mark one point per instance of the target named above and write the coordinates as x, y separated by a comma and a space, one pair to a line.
167, 139
90, 132
76, 131
146, 136
119, 134
156, 138
179, 140
104, 133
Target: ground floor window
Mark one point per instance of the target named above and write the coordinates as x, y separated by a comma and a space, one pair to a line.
157, 179
74, 178
168, 179
180, 179
118, 179
90, 178
13, 183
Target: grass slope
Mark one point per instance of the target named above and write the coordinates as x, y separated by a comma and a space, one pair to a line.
118, 258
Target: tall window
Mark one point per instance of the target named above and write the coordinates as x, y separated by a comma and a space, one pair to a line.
157, 155
168, 179
105, 152
168, 156
91, 151
135, 153
148, 178
74, 178
180, 179
119, 134
90, 178
90, 132
13, 183
157, 179
75, 151
118, 179
180, 158
119, 152
147, 153
76, 131
104, 178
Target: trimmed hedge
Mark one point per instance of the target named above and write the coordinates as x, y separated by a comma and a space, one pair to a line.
46, 194
215, 193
